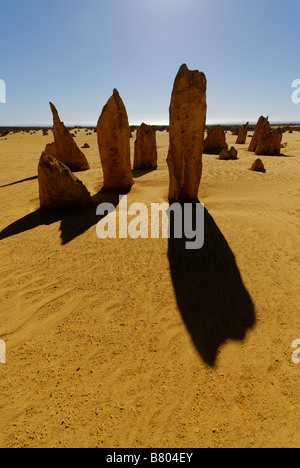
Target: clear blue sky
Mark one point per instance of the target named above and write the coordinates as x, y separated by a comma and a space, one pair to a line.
75, 52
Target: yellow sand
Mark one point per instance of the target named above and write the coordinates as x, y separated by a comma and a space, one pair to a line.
98, 351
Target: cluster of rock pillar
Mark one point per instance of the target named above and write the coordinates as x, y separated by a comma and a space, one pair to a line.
59, 187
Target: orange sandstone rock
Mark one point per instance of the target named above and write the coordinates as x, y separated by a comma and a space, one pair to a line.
215, 141
114, 144
187, 125
58, 186
228, 154
51, 149
242, 136
258, 166
262, 128
65, 147
145, 149
270, 144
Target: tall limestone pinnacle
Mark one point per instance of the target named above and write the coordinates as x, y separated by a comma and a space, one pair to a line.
66, 150
262, 128
187, 125
114, 144
242, 136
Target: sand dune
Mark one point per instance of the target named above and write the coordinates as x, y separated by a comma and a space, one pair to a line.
107, 339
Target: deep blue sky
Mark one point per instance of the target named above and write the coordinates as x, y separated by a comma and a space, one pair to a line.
75, 52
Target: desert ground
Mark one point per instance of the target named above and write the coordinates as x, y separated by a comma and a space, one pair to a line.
139, 343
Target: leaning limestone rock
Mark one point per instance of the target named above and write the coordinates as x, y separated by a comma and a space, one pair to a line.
262, 128
66, 149
114, 144
58, 186
215, 141
270, 144
242, 136
187, 125
258, 166
226, 154
145, 149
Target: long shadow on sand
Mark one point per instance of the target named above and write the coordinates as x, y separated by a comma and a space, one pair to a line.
137, 173
73, 222
20, 181
211, 297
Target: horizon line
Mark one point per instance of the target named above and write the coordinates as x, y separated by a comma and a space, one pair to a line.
133, 124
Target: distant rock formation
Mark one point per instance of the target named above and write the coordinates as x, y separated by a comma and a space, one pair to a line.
114, 144
187, 125
262, 128
145, 149
270, 144
258, 166
226, 154
58, 186
66, 149
242, 135
86, 146
215, 141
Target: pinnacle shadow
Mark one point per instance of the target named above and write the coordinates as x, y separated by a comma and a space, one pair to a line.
137, 173
29, 222
28, 179
281, 155
212, 299
74, 222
